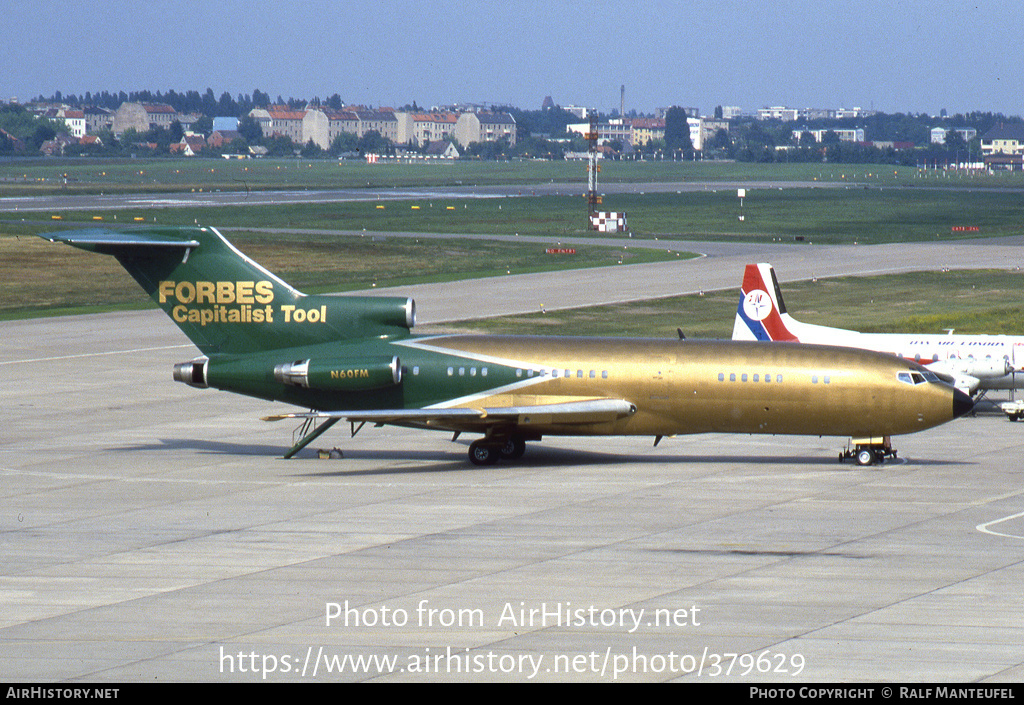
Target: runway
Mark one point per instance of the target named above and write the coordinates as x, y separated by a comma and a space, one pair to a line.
151, 531
200, 199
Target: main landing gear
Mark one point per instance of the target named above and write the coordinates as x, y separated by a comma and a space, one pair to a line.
869, 451
488, 451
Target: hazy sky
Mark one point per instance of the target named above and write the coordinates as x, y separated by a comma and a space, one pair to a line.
891, 55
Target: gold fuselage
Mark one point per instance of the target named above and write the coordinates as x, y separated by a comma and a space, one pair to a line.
699, 386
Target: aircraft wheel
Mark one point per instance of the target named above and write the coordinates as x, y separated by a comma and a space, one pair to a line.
483, 454
865, 457
513, 448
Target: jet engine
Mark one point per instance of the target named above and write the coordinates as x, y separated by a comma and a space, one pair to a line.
341, 374
345, 375
192, 373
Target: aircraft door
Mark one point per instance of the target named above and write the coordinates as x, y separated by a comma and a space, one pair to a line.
659, 377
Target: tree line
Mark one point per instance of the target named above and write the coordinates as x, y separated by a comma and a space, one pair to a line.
185, 102
543, 133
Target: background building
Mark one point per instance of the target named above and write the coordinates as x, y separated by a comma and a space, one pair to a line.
485, 127
1002, 147
142, 116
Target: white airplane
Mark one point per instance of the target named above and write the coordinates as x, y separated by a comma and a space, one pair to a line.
975, 363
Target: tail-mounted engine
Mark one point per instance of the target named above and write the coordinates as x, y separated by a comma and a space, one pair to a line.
193, 373
341, 375
330, 374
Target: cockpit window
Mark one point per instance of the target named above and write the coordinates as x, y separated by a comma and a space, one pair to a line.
916, 377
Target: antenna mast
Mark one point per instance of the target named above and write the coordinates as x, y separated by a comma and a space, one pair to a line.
593, 200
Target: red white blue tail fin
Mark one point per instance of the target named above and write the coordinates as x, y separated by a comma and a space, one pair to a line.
761, 311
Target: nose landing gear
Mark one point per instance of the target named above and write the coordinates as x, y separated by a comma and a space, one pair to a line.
869, 451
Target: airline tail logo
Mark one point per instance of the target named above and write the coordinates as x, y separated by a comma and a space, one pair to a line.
206, 302
757, 316
757, 305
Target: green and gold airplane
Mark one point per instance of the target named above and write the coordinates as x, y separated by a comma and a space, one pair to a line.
355, 358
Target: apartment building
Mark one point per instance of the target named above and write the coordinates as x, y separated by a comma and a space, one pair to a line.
485, 127
74, 120
1002, 147
281, 120
423, 128
384, 122
323, 125
938, 134
646, 130
97, 119
856, 135
142, 116
778, 112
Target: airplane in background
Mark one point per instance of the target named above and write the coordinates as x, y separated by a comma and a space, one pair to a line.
355, 358
974, 363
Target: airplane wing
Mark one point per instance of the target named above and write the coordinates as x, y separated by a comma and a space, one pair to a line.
583, 411
462, 418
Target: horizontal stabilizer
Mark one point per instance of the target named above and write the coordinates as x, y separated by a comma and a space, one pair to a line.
101, 237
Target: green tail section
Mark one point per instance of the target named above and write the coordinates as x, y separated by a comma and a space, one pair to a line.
227, 303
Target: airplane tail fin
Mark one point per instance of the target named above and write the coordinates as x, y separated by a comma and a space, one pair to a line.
761, 312
227, 303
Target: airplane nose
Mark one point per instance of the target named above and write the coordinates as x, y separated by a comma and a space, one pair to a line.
961, 403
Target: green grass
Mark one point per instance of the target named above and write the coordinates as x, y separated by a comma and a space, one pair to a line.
974, 301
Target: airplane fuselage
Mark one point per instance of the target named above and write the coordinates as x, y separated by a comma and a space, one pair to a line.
996, 361
674, 386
